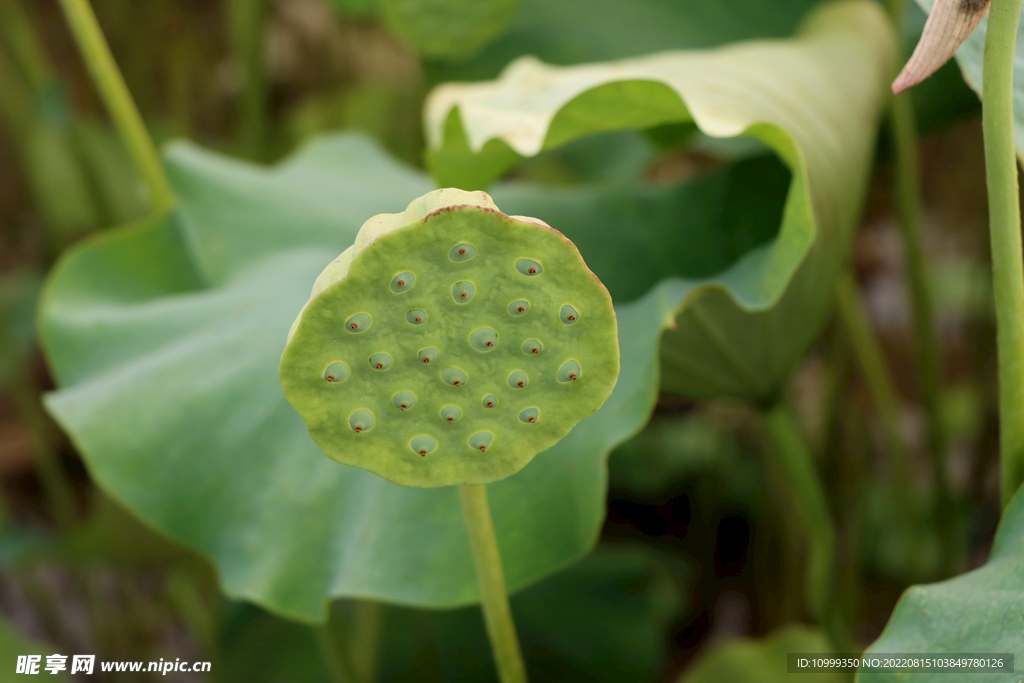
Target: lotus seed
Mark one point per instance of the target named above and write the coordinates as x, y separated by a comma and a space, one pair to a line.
336, 372
428, 355
532, 347
380, 361
360, 322
463, 291
404, 400
569, 314
416, 316
361, 421
423, 445
490, 400
529, 415
462, 252
529, 267
454, 376
569, 371
518, 307
484, 339
451, 413
403, 282
518, 380
481, 440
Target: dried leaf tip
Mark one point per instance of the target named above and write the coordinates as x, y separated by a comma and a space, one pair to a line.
948, 25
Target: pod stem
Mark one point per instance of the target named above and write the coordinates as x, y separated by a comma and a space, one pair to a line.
508, 657
1004, 231
111, 86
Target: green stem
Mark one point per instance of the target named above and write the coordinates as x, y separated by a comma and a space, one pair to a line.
337, 667
903, 128
493, 598
1004, 229
868, 353
118, 100
247, 20
808, 498
25, 45
58, 489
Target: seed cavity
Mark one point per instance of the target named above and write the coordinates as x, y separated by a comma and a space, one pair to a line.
423, 444
380, 361
454, 376
518, 380
532, 347
462, 252
404, 400
529, 267
529, 415
451, 413
569, 314
489, 401
481, 441
358, 323
484, 339
337, 372
416, 316
428, 356
403, 282
569, 372
462, 291
361, 421
518, 307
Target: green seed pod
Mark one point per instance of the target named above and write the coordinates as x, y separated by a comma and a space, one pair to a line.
457, 389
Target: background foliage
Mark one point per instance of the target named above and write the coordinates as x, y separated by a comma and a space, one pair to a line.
162, 334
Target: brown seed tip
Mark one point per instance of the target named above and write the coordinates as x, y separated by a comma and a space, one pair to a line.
571, 317
463, 295
572, 376
536, 350
423, 453
353, 326
521, 384
533, 271
330, 378
456, 382
483, 447
533, 419
381, 365
358, 429
520, 309
462, 252
402, 407
401, 283
451, 420
426, 360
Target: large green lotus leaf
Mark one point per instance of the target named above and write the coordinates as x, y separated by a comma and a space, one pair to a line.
166, 336
447, 29
981, 611
813, 99
762, 661
970, 56
575, 31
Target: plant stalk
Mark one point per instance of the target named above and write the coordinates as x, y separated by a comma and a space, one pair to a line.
808, 498
25, 45
247, 19
112, 88
1004, 231
868, 354
508, 657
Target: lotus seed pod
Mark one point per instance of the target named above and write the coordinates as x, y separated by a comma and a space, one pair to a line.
450, 344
